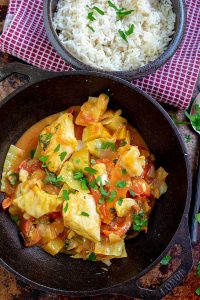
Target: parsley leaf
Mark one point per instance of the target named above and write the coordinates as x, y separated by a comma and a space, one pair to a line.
44, 158
32, 153
93, 185
84, 184
120, 184
101, 200
78, 174
132, 193
121, 13
111, 4
66, 207
102, 190
198, 268
101, 12
139, 221
112, 196
92, 256
197, 291
90, 16
65, 195
53, 179
130, 30
106, 145
197, 217
165, 260
123, 143
123, 35
91, 28
57, 148
83, 213
15, 218
93, 162
124, 171
62, 155
91, 171
44, 139
120, 201
13, 178
194, 117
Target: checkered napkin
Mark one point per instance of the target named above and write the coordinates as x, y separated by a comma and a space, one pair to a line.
24, 36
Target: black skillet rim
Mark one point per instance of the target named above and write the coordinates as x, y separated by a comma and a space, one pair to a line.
188, 169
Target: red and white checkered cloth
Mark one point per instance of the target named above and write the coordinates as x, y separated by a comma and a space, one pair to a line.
25, 37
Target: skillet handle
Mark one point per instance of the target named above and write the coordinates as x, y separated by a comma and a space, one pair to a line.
132, 288
33, 74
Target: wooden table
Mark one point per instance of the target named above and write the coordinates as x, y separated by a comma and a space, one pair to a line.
12, 288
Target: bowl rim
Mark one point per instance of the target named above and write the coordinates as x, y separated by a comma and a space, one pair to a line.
140, 72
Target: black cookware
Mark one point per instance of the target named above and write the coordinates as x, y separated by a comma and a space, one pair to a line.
180, 11
46, 93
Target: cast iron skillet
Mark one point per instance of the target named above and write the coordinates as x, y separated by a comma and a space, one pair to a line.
179, 9
47, 93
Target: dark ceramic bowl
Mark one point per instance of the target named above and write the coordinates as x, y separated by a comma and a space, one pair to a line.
48, 93
180, 11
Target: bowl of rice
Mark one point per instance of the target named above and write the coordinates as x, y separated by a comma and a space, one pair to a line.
129, 39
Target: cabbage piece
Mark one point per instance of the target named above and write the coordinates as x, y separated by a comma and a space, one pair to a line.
13, 158
37, 203
96, 147
80, 159
131, 160
102, 172
92, 110
58, 142
67, 173
54, 246
116, 249
79, 213
159, 186
95, 131
125, 207
115, 123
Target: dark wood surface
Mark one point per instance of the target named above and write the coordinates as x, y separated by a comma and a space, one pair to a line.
12, 288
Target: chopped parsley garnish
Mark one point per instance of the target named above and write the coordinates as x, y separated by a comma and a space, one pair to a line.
197, 217
112, 196
139, 221
65, 195
120, 201
130, 30
66, 207
111, 4
123, 35
44, 139
106, 145
77, 161
101, 12
62, 155
126, 33
53, 179
93, 162
32, 153
78, 174
121, 13
92, 256
123, 143
84, 184
57, 148
102, 190
13, 178
91, 171
187, 138
93, 185
83, 213
101, 200
165, 260
90, 16
198, 268
132, 193
194, 118
120, 184
197, 291
91, 28
124, 171
15, 218
44, 158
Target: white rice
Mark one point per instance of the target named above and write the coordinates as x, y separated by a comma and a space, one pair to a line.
153, 20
